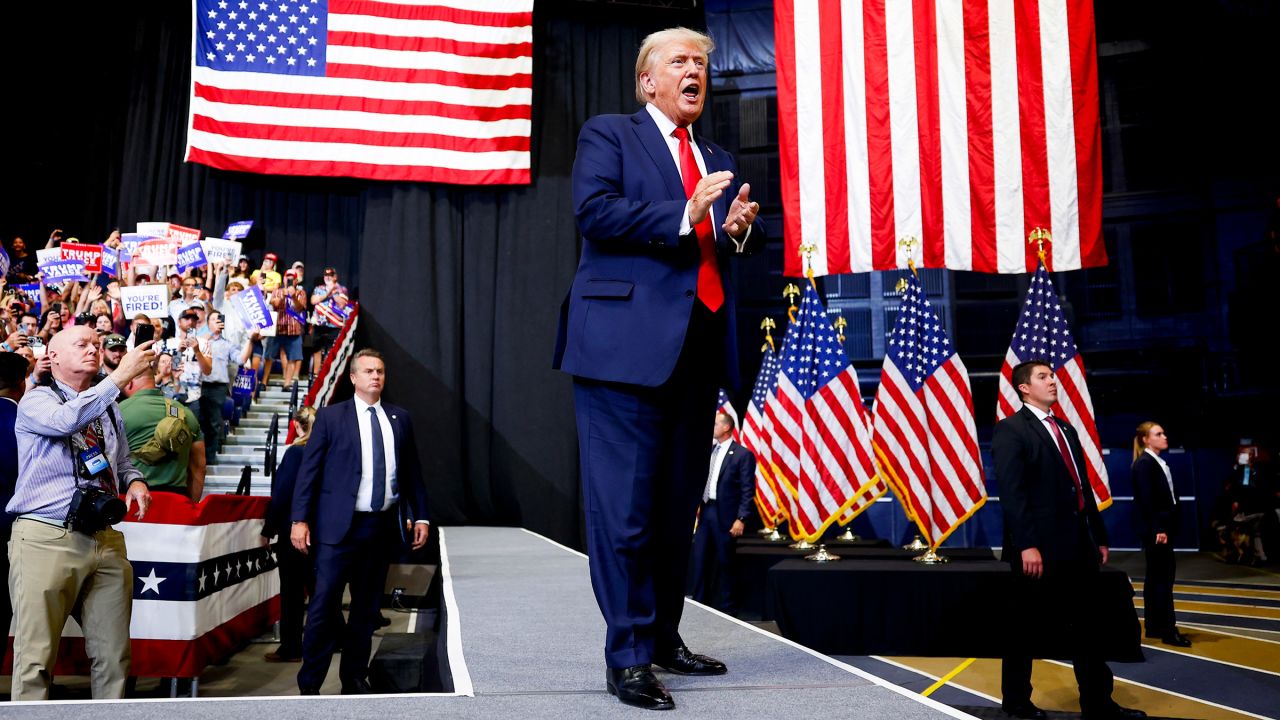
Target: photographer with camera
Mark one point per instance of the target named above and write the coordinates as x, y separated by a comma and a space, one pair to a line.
65, 558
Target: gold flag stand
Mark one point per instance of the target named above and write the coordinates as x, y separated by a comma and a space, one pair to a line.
822, 555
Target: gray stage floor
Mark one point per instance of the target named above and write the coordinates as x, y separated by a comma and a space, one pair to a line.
526, 641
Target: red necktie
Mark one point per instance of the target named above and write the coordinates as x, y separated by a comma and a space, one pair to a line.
1066, 458
710, 292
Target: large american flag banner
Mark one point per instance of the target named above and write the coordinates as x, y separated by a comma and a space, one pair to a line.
723, 405
925, 436
966, 123
1043, 333
203, 586
822, 454
756, 439
428, 90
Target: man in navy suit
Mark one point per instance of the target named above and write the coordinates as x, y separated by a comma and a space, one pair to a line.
647, 331
13, 383
726, 500
1054, 541
359, 477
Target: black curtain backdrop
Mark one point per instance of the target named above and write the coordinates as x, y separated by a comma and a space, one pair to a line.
460, 287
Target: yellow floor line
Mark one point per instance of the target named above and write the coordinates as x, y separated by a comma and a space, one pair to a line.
1238, 631
947, 678
1056, 690
1225, 609
1221, 592
1246, 653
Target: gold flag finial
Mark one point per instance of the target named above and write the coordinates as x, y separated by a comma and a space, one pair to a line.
910, 243
840, 324
806, 252
766, 325
1040, 236
901, 286
791, 292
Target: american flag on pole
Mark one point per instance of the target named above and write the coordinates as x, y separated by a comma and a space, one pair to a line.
758, 441
426, 90
1043, 333
925, 435
962, 122
821, 433
724, 406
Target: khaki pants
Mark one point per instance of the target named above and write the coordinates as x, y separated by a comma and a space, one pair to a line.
55, 573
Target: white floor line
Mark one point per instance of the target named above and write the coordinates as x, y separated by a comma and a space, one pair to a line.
1184, 653
1166, 691
874, 679
935, 678
1223, 630
453, 628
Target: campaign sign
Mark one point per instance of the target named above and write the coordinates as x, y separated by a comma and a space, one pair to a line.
110, 262
254, 310
60, 271
158, 252
221, 251
4, 262
153, 229
89, 254
191, 256
184, 235
32, 292
245, 382
238, 230
48, 255
153, 300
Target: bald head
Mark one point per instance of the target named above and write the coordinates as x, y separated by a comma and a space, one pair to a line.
73, 352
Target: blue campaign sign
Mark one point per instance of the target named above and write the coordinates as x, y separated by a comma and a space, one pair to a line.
254, 310
60, 271
238, 230
191, 256
110, 262
246, 380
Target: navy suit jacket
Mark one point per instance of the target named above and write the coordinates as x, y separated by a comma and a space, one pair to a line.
1038, 495
626, 314
1157, 512
325, 495
736, 485
8, 456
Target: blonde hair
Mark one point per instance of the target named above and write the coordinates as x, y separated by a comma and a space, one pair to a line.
1140, 438
305, 417
655, 41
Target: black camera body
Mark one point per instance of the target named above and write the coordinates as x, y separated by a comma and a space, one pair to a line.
93, 509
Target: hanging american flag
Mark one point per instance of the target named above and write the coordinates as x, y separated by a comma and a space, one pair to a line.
963, 122
758, 441
925, 435
821, 436
423, 90
724, 406
1043, 333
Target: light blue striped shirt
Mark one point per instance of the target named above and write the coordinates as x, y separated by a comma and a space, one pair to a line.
46, 468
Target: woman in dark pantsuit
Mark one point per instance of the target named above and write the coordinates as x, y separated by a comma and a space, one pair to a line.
1157, 520
297, 578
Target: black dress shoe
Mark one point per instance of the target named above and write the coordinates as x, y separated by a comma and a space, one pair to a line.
683, 662
308, 691
359, 686
637, 686
1025, 710
1176, 639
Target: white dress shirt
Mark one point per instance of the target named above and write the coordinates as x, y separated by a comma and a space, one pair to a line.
1041, 415
717, 462
1168, 476
364, 495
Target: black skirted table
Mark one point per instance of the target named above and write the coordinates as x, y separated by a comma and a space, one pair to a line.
893, 606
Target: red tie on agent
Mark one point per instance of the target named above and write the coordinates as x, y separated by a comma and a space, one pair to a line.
710, 291
1066, 458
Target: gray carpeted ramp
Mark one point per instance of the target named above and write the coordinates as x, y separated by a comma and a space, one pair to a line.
526, 640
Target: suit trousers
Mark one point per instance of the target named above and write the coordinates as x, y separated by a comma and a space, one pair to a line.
56, 573
359, 562
644, 455
1157, 589
713, 548
297, 581
1055, 598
